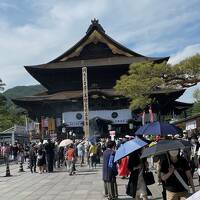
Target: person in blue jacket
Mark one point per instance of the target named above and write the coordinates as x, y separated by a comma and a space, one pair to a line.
110, 172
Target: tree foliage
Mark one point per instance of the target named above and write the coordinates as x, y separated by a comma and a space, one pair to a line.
1, 85
8, 117
196, 106
22, 91
145, 78
11, 114
196, 95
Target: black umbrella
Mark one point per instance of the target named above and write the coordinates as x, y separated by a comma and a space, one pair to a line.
186, 143
162, 147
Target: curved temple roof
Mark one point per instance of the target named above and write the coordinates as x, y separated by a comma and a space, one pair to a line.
69, 95
96, 35
97, 51
166, 99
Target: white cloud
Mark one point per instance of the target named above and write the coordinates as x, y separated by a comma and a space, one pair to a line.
17, 76
185, 53
50, 35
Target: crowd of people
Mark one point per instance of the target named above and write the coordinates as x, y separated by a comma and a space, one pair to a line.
174, 170
45, 156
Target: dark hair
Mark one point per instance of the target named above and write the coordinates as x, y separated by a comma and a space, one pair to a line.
111, 144
33, 144
40, 152
134, 159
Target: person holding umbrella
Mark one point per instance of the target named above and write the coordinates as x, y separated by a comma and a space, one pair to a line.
175, 172
137, 187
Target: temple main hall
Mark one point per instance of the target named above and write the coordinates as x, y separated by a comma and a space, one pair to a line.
106, 61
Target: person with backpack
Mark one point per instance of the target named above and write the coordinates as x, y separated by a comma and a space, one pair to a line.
110, 172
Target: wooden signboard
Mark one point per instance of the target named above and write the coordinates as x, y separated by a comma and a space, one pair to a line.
85, 102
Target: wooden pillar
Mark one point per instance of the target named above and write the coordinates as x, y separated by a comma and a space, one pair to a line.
85, 101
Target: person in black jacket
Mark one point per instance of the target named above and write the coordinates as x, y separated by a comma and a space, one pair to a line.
175, 189
137, 187
33, 158
49, 148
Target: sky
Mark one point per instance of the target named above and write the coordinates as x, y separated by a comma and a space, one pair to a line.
34, 32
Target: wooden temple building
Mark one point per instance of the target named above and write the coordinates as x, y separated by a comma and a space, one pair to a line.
106, 60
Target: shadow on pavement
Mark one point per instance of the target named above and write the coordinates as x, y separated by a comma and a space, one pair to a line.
11, 176
130, 198
82, 174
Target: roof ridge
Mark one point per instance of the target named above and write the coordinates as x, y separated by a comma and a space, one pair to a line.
95, 25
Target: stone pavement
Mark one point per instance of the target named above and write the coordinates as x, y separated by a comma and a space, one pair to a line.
86, 184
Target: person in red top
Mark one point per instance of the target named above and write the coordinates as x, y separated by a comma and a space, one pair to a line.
70, 157
123, 168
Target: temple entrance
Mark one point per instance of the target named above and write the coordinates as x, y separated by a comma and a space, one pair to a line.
99, 126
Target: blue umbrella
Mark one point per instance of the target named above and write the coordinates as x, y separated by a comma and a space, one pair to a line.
158, 128
128, 147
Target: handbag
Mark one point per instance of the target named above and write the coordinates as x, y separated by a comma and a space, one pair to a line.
149, 178
91, 154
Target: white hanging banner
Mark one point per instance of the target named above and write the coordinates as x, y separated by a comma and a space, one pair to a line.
75, 119
191, 125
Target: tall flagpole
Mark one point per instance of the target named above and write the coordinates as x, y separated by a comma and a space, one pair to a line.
85, 101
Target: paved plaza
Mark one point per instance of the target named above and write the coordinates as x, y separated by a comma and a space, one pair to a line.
86, 184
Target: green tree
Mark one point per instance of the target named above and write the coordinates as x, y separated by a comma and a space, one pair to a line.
196, 95
196, 106
1, 85
147, 77
7, 118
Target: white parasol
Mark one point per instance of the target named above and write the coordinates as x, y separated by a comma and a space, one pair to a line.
65, 143
195, 196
